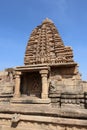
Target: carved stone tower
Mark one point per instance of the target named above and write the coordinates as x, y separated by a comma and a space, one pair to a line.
46, 46
47, 93
45, 54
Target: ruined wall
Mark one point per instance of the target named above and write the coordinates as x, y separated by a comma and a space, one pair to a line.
66, 79
6, 82
66, 88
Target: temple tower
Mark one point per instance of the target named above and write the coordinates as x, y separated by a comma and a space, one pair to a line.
46, 60
47, 92
46, 46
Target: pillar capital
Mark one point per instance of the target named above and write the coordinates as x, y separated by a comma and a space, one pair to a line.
18, 73
44, 71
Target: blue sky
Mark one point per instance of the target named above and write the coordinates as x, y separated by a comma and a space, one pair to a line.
19, 17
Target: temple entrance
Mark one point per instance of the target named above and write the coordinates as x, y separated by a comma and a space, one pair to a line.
31, 84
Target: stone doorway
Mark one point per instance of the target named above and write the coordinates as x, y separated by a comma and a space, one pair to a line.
31, 84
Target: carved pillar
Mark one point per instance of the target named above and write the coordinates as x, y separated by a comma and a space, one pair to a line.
17, 84
44, 93
25, 91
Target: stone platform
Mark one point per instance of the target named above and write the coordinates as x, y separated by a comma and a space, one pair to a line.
30, 100
42, 116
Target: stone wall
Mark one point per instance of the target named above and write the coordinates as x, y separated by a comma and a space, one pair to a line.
6, 82
22, 125
66, 88
66, 80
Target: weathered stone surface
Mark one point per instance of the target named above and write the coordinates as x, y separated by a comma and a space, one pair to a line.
6, 82
46, 46
47, 93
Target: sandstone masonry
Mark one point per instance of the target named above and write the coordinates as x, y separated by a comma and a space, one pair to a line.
47, 93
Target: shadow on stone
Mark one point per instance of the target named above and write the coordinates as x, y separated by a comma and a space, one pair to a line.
14, 124
85, 100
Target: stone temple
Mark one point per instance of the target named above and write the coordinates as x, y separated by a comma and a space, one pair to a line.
47, 93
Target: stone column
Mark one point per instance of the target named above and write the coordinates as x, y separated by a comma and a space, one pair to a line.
17, 84
44, 94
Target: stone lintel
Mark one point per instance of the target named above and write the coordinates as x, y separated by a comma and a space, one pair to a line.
47, 65
64, 64
31, 68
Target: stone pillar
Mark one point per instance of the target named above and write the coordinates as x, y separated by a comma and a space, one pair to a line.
44, 94
17, 84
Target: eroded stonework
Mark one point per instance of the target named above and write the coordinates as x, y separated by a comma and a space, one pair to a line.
46, 46
47, 93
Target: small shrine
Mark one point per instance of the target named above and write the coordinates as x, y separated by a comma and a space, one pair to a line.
47, 92
46, 57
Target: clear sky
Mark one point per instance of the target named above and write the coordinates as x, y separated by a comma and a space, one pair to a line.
19, 17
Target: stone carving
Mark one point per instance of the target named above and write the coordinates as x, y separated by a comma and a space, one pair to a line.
7, 81
47, 93
11, 74
7, 88
46, 46
54, 87
15, 118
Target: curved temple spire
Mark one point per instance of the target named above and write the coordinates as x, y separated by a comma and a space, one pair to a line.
46, 46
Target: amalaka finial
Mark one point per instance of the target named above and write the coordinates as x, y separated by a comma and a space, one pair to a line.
47, 20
